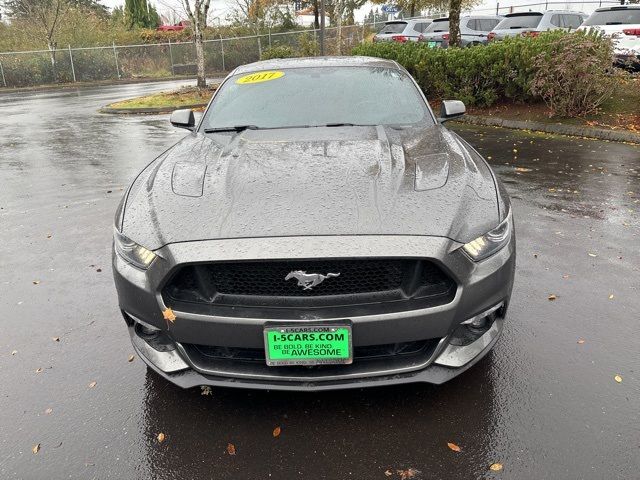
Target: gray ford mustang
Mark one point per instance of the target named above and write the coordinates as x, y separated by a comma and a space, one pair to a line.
319, 228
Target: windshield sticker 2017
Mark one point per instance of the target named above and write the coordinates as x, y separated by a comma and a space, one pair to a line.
260, 77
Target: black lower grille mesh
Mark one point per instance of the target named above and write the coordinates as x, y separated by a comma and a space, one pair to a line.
359, 353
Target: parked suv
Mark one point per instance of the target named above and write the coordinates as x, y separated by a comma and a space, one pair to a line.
473, 30
622, 24
402, 30
533, 23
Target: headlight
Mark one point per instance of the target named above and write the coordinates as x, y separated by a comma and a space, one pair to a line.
131, 251
490, 242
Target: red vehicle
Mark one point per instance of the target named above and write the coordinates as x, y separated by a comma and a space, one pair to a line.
174, 28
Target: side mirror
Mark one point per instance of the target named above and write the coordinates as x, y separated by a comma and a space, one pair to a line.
183, 119
451, 109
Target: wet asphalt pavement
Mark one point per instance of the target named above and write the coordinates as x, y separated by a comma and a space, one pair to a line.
541, 404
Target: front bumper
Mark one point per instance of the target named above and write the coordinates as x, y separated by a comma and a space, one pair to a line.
480, 287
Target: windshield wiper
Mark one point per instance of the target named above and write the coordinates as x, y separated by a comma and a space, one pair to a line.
236, 128
241, 128
340, 124
614, 23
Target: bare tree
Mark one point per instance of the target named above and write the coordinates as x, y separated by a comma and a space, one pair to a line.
45, 16
455, 7
197, 11
339, 9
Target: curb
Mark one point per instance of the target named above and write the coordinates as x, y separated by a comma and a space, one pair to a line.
148, 110
558, 129
106, 83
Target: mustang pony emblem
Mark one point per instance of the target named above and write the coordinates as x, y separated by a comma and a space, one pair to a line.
309, 280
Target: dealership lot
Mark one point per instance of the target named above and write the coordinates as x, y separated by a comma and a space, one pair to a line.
544, 404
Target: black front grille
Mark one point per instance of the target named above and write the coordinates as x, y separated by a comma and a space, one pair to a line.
268, 278
346, 282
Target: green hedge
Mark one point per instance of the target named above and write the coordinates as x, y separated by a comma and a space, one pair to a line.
479, 75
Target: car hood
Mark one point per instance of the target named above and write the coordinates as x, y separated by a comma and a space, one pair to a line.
313, 181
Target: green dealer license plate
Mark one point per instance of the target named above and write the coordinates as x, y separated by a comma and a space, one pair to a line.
309, 345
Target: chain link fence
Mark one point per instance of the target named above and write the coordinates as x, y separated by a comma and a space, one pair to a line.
163, 60
169, 60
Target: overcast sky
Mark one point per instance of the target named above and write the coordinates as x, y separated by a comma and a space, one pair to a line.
222, 7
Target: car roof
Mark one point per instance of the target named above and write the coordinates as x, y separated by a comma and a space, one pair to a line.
618, 7
408, 20
310, 62
489, 17
481, 17
574, 12
522, 14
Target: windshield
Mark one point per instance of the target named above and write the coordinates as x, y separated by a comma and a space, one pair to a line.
395, 27
438, 26
520, 21
614, 17
316, 96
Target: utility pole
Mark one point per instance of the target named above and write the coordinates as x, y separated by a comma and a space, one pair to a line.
322, 27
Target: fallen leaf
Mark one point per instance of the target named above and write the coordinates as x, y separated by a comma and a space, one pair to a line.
49, 235
611, 297
48, 411
36, 282
161, 437
169, 315
408, 473
552, 297
580, 342
231, 449
565, 276
388, 473
276, 431
592, 254
206, 390
523, 169
131, 358
13, 352
55, 339
93, 384
36, 448
38, 370
98, 270
496, 467
618, 378
454, 447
